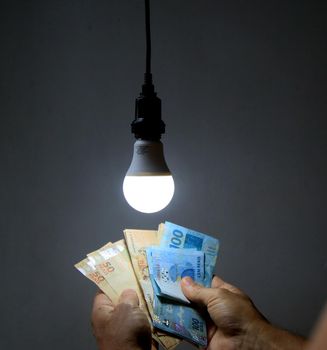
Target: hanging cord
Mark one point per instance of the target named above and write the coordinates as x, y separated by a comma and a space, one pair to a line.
148, 75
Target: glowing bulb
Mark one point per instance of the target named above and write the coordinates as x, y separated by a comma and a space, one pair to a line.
148, 194
148, 185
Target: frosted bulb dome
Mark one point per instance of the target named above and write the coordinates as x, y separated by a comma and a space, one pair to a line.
148, 194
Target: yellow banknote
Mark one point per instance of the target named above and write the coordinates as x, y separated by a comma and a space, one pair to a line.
137, 241
89, 271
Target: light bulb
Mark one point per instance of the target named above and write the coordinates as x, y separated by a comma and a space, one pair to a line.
148, 185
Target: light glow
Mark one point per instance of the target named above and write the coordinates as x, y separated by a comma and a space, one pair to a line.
148, 194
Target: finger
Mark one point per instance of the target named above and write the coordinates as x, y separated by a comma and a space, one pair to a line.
211, 329
217, 282
129, 296
102, 307
197, 293
154, 345
101, 299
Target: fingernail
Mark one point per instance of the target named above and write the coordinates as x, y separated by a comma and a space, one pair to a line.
128, 291
188, 282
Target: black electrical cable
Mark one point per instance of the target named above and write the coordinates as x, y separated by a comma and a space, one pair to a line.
148, 77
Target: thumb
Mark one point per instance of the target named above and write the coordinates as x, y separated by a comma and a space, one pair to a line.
129, 296
197, 293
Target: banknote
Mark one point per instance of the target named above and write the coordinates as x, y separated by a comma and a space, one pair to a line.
169, 266
181, 320
89, 271
137, 241
176, 236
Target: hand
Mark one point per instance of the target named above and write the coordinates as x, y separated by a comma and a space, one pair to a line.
120, 327
233, 316
234, 323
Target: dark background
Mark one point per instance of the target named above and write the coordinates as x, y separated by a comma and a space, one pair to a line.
243, 86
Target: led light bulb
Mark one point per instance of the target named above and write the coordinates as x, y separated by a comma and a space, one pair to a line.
148, 185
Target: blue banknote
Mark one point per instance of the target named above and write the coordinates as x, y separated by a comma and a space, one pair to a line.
176, 236
168, 266
172, 317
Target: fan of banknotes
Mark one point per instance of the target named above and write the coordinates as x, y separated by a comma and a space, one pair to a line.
153, 262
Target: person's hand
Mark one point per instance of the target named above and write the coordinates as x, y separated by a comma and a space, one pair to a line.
234, 323
233, 316
120, 327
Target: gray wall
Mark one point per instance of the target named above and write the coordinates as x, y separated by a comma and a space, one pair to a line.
243, 85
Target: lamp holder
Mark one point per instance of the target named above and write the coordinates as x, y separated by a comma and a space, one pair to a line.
148, 124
